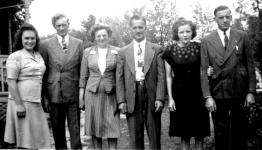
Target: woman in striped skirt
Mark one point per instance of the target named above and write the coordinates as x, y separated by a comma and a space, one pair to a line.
97, 89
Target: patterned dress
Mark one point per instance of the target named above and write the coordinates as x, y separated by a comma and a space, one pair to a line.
191, 119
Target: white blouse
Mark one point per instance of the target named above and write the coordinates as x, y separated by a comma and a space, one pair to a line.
102, 52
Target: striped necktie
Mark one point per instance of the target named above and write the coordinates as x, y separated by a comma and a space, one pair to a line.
225, 40
64, 45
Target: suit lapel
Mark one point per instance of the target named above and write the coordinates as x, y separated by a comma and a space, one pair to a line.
149, 55
130, 57
231, 45
56, 49
218, 48
71, 50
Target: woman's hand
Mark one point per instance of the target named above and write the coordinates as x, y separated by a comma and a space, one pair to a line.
171, 105
210, 71
81, 103
20, 110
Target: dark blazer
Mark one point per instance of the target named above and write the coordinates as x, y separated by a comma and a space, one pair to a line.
61, 79
90, 73
155, 79
234, 71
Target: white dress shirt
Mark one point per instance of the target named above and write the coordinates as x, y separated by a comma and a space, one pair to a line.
222, 36
140, 76
60, 39
102, 52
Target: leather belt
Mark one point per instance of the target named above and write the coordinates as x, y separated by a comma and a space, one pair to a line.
142, 83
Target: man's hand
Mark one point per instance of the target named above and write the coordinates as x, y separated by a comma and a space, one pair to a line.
250, 99
122, 108
46, 105
211, 104
158, 105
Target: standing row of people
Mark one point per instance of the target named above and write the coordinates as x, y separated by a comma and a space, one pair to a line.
105, 80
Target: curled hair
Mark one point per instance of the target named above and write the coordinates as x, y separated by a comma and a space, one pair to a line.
136, 17
98, 27
18, 37
182, 22
219, 8
58, 16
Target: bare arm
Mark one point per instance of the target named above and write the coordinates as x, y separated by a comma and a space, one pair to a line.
169, 81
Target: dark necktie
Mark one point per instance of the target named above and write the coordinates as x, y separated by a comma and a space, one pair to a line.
140, 60
225, 40
64, 45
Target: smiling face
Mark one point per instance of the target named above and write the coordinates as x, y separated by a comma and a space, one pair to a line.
62, 25
138, 29
223, 19
29, 40
184, 34
101, 38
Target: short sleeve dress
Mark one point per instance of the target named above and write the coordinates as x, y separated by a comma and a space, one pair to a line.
191, 119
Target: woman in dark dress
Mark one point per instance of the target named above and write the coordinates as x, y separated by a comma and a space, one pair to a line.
188, 115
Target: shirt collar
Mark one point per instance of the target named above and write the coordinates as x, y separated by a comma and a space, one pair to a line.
142, 43
60, 38
221, 33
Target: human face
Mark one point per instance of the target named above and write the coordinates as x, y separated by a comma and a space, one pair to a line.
101, 37
184, 34
138, 29
29, 40
223, 19
61, 26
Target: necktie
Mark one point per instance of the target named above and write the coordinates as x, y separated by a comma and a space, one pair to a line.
64, 45
225, 40
140, 60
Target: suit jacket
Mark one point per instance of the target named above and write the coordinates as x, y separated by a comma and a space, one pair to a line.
234, 71
61, 79
155, 79
91, 76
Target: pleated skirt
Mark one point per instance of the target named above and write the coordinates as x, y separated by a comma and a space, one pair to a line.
31, 132
102, 118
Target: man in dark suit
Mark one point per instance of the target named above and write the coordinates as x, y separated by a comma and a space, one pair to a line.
230, 89
62, 54
141, 84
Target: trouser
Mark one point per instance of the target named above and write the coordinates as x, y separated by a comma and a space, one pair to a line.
230, 124
144, 115
59, 113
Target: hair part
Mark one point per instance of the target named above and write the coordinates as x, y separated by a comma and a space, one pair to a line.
181, 22
58, 16
220, 8
136, 17
18, 45
98, 27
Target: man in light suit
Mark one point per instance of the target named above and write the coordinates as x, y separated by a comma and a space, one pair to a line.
141, 84
62, 54
231, 88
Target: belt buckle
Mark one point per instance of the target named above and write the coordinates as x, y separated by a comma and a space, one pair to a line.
141, 83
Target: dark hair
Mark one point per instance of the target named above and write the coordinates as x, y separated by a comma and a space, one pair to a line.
98, 27
58, 16
219, 8
181, 22
18, 37
136, 17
